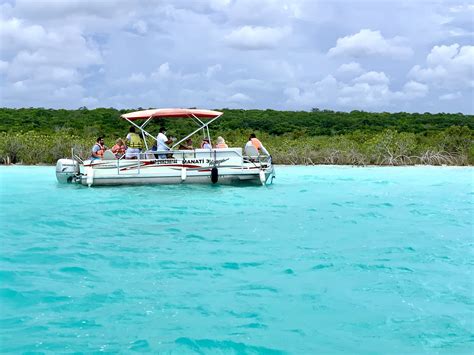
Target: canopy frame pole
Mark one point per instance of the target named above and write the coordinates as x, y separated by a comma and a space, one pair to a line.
208, 135
196, 120
146, 122
207, 128
199, 123
144, 140
139, 127
204, 126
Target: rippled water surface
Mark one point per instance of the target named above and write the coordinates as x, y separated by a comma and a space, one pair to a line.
328, 259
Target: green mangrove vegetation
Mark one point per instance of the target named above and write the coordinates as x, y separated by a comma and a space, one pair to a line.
41, 136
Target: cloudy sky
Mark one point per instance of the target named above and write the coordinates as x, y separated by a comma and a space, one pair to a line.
402, 55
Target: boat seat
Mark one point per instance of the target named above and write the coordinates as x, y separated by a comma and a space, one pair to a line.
108, 155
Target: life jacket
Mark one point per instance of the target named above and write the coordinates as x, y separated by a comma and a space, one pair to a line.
101, 150
256, 143
118, 149
135, 141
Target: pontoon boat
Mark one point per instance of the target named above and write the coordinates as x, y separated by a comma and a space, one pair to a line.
174, 166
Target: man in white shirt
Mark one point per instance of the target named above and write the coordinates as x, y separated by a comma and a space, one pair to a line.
162, 141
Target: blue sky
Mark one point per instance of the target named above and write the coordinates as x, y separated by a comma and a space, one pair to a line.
414, 56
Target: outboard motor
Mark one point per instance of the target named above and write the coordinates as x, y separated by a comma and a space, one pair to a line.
66, 169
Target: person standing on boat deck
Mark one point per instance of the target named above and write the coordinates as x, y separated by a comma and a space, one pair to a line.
221, 143
205, 143
98, 149
162, 141
257, 144
135, 144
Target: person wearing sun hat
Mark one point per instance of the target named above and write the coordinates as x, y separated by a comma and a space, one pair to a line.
221, 143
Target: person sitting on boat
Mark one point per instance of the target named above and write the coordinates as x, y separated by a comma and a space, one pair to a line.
188, 145
119, 148
221, 143
205, 143
257, 144
135, 144
98, 149
162, 142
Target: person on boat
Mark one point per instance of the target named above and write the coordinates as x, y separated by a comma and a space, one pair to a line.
134, 144
221, 143
187, 145
98, 149
205, 143
253, 140
119, 148
162, 142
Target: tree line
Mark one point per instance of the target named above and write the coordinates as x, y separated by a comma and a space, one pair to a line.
38, 135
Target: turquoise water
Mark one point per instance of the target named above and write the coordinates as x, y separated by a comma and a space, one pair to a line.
328, 260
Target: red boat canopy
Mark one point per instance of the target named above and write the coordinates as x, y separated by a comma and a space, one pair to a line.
171, 113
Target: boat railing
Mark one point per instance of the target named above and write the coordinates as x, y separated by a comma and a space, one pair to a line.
258, 160
174, 155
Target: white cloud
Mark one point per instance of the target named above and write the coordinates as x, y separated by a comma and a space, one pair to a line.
212, 70
317, 93
248, 84
364, 95
373, 77
89, 101
448, 67
462, 8
19, 86
203, 6
163, 72
54, 9
369, 43
3, 66
256, 37
39, 54
15, 35
413, 89
373, 93
5, 10
35, 44
44, 64
352, 68
239, 98
140, 27
267, 13
137, 78
218, 4
451, 96
69, 91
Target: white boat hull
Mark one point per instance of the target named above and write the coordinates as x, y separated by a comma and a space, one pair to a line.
225, 176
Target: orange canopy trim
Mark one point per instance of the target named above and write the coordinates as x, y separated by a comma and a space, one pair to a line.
171, 113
